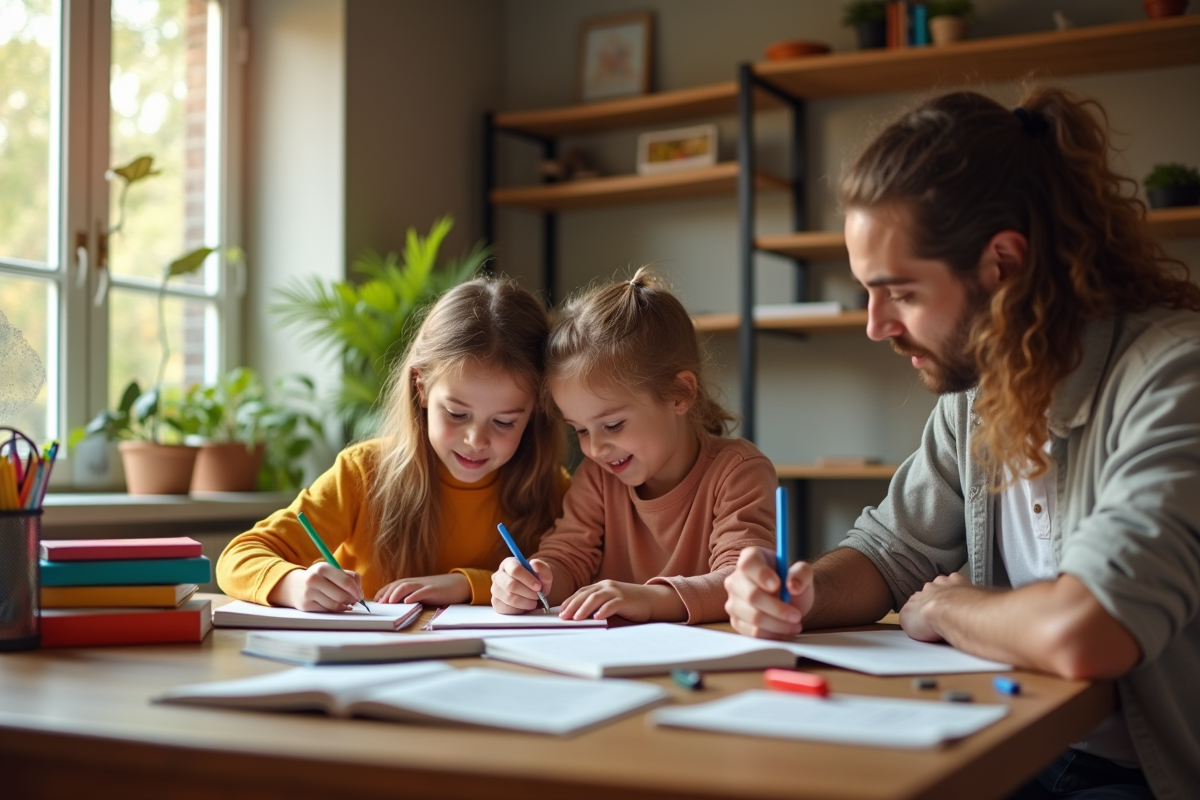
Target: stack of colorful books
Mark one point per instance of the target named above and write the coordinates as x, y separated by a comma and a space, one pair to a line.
123, 591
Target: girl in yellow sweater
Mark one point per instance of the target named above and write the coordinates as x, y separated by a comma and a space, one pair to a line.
411, 516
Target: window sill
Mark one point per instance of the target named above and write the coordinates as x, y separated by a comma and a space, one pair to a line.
222, 509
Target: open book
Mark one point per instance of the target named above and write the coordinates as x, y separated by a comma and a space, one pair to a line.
431, 691
651, 649
845, 719
383, 617
464, 616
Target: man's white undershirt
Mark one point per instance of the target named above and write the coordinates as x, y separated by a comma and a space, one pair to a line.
1024, 521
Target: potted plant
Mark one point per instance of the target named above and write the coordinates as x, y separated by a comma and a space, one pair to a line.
948, 20
151, 466
236, 426
869, 20
1171, 185
371, 323
1155, 9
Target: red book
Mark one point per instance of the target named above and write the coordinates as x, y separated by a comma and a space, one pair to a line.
119, 549
85, 627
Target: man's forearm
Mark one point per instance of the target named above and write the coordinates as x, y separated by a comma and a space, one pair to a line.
849, 591
1054, 626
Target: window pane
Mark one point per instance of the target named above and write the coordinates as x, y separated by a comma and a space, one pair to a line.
29, 36
135, 352
158, 92
30, 306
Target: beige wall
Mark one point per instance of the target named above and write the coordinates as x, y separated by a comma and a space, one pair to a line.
833, 395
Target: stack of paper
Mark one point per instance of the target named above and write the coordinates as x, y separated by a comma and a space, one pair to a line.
890, 652
463, 616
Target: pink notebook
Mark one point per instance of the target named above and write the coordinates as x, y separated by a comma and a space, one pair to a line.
119, 549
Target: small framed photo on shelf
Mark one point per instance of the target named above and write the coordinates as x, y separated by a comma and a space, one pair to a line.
678, 149
615, 56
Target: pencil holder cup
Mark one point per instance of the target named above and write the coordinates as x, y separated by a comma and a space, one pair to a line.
20, 584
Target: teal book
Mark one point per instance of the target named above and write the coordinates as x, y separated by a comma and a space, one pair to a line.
124, 573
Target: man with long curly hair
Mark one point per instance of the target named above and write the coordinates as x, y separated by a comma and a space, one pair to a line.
1061, 465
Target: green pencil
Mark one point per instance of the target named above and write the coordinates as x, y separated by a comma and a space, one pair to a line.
312, 534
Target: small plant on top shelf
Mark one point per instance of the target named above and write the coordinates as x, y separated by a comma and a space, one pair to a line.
869, 19
948, 20
1171, 185
949, 8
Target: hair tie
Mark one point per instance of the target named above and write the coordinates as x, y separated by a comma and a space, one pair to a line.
1034, 123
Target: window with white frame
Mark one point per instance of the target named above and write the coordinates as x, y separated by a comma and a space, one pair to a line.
86, 86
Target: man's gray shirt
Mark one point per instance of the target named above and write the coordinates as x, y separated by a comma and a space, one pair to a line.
1125, 430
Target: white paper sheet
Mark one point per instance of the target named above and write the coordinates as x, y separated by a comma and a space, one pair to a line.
844, 719
534, 703
641, 650
888, 653
463, 616
383, 616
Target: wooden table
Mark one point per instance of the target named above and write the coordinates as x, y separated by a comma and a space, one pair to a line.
79, 723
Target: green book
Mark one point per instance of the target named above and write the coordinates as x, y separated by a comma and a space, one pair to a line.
124, 573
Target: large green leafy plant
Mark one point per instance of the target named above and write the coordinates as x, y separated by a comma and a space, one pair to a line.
370, 323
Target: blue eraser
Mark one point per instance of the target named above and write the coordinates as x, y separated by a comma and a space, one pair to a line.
1006, 685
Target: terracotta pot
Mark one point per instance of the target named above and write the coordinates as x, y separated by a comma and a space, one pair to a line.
1156, 9
947, 30
152, 468
227, 467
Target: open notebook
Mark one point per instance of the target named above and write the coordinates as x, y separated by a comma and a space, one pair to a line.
383, 617
651, 649
464, 616
845, 719
431, 691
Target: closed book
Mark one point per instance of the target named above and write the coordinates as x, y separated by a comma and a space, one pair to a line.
120, 573
333, 647
168, 596
119, 549
85, 627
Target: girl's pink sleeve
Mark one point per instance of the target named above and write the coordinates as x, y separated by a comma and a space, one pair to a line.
574, 546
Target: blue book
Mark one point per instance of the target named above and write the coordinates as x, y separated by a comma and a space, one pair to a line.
123, 573
920, 25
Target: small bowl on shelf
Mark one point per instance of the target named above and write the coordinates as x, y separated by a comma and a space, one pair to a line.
794, 48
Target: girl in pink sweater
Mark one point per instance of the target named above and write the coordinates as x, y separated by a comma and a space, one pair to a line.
656, 515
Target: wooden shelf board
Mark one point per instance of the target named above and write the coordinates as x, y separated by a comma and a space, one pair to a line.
813, 245
650, 109
832, 323
720, 179
1175, 223
1165, 223
1145, 44
819, 472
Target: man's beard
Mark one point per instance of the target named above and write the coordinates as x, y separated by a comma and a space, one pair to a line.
954, 370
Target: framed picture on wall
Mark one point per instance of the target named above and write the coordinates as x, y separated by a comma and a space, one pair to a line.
615, 56
678, 149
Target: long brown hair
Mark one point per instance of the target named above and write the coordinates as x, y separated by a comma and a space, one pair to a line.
504, 328
634, 334
966, 168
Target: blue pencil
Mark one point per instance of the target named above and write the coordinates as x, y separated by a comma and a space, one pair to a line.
782, 558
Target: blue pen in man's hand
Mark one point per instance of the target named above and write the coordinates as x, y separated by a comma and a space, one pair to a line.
782, 559
516, 551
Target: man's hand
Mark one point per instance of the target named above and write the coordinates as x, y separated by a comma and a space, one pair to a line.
753, 604
917, 616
